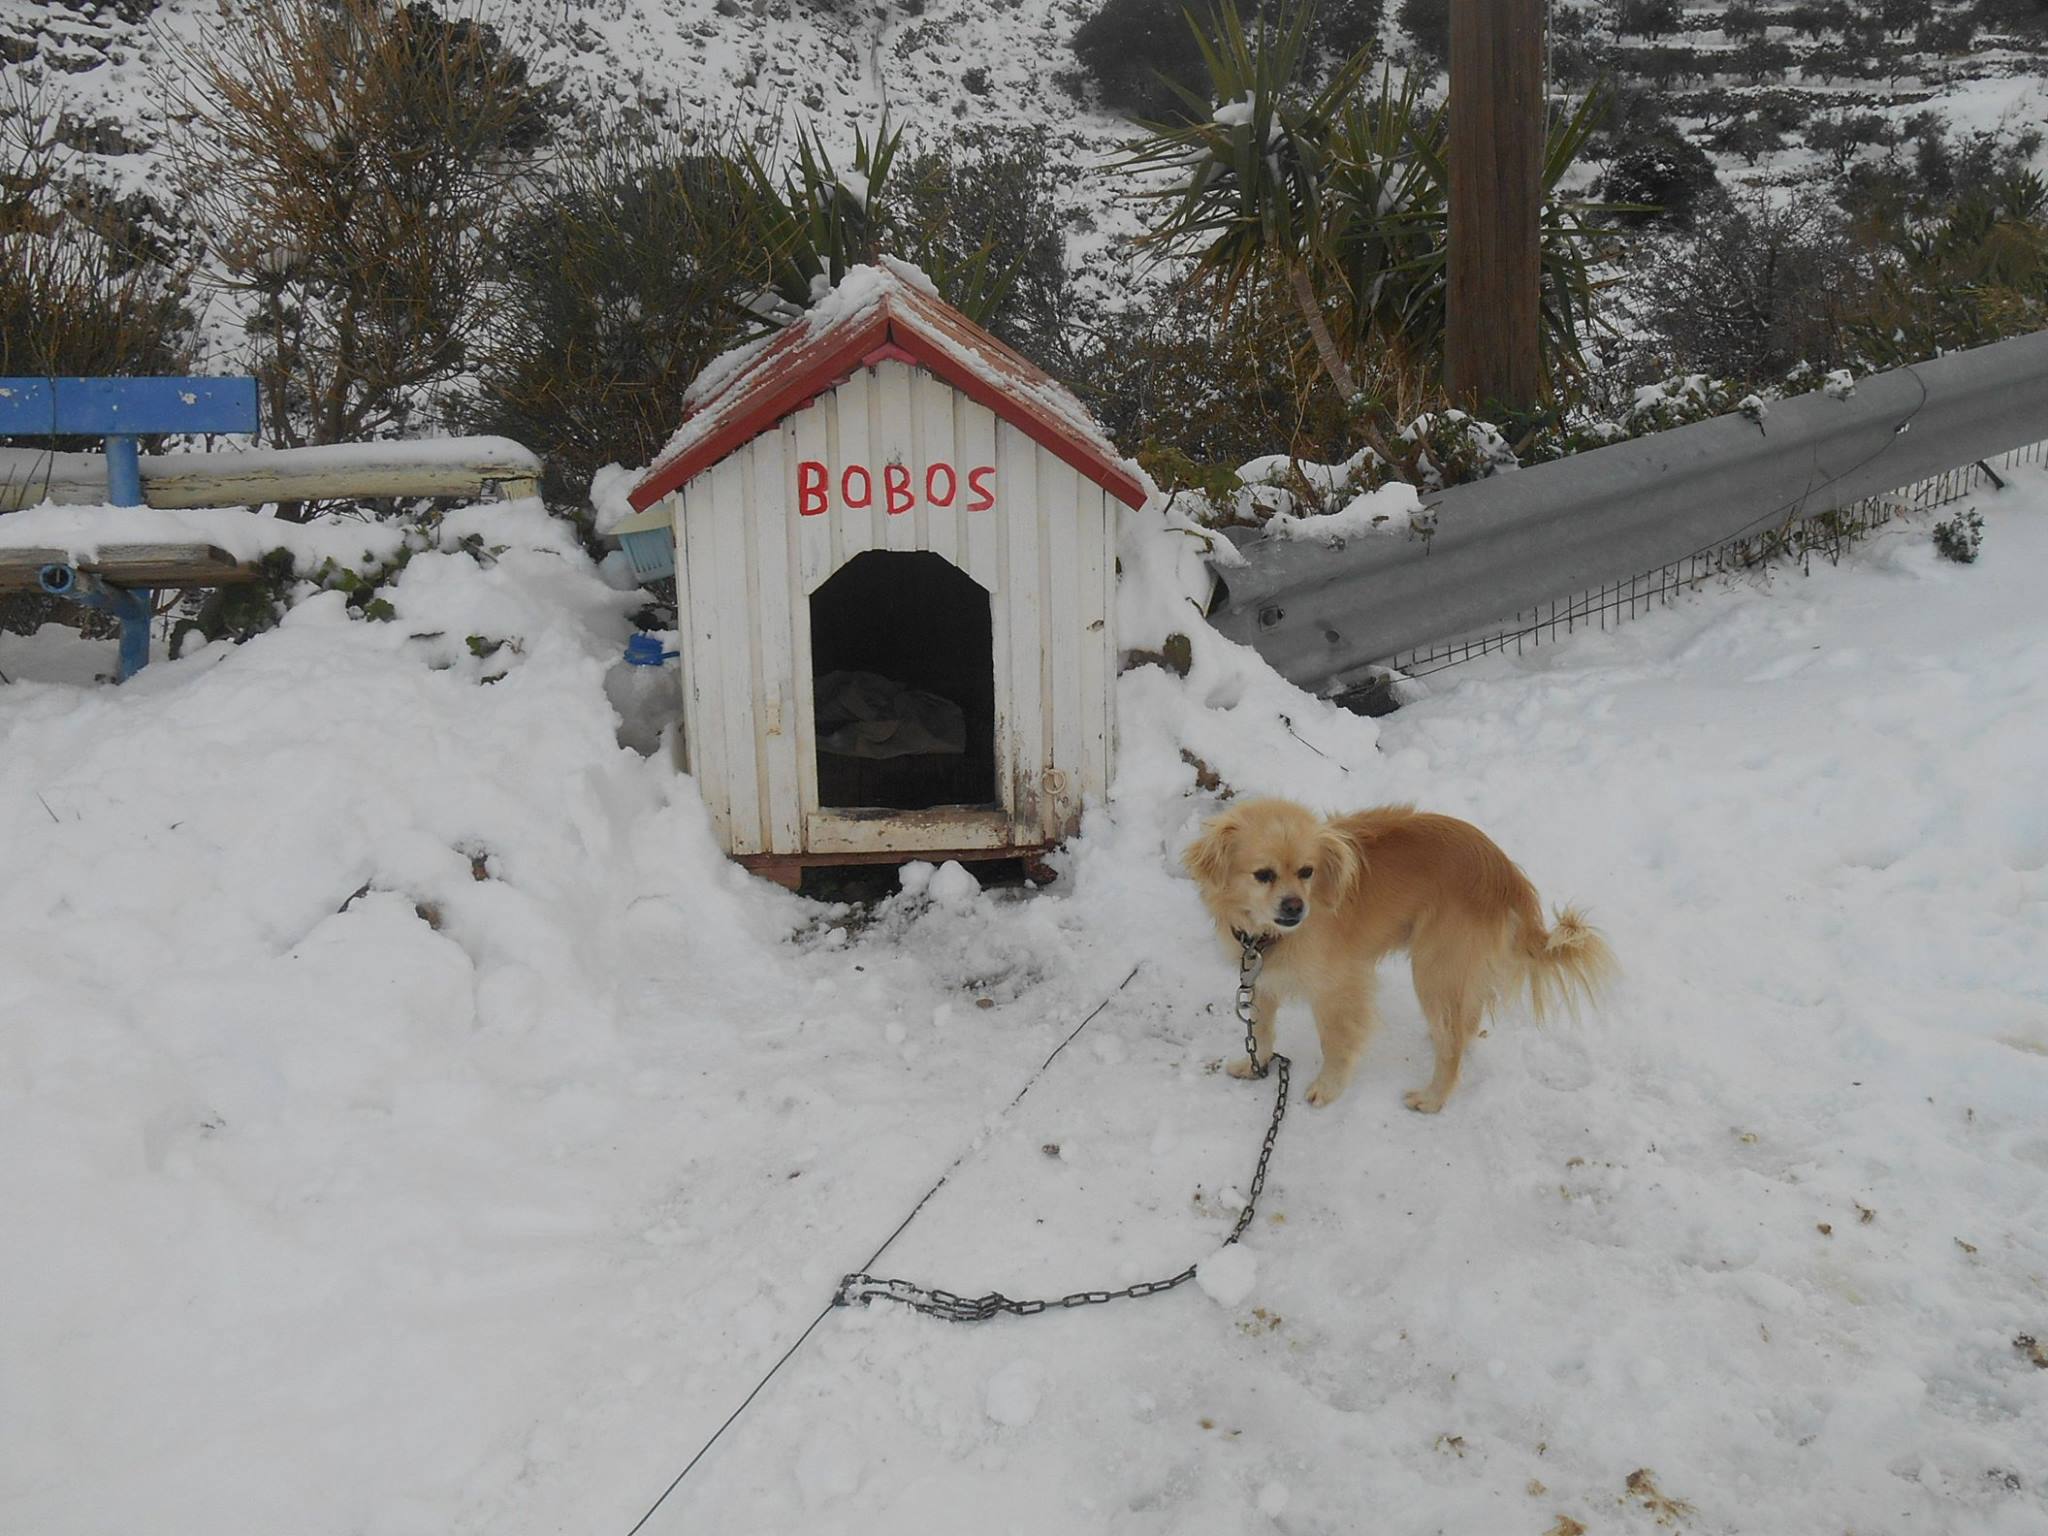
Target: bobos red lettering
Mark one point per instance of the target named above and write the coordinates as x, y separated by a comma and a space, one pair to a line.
899, 491
896, 485
811, 496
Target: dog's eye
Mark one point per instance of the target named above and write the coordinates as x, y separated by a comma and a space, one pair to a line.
1306, 872
1263, 876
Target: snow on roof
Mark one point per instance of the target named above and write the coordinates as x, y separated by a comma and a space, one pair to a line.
878, 313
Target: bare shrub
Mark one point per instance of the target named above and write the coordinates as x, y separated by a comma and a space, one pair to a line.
620, 281
352, 163
1758, 288
79, 294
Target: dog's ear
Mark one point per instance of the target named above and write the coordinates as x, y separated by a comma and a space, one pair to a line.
1338, 859
1207, 858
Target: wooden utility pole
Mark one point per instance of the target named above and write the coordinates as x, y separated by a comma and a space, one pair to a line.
1493, 312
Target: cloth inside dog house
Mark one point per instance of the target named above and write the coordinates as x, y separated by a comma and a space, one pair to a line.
863, 714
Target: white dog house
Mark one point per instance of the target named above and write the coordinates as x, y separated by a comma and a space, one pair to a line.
895, 550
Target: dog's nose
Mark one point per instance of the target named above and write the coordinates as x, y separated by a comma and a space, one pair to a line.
1290, 909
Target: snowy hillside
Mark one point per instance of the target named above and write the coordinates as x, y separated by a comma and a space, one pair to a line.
1751, 98
409, 1124
941, 66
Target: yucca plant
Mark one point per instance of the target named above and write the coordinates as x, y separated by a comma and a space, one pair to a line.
1391, 205
1345, 197
1251, 175
817, 222
1388, 208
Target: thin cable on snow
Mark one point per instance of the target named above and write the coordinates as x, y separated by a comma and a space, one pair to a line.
830, 1306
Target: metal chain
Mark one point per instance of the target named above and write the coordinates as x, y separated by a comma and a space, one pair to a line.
934, 1302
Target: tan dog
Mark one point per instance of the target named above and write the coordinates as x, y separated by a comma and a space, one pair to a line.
1331, 898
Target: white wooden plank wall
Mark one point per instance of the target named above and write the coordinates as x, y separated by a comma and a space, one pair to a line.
938, 528
1091, 621
771, 493
1045, 552
812, 437
892, 426
687, 639
1066, 629
702, 646
1017, 483
983, 552
1112, 541
735, 595
847, 409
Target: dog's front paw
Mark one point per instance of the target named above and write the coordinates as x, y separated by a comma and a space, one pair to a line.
1325, 1089
1242, 1067
1423, 1101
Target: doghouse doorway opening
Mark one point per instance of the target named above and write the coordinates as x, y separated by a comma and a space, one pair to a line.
903, 684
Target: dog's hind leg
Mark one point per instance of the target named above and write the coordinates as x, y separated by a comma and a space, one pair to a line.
1344, 1022
1451, 986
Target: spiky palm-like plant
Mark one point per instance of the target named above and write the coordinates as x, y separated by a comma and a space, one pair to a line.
1389, 202
1346, 198
816, 222
1251, 177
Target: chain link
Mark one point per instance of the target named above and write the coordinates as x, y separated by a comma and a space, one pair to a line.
933, 1302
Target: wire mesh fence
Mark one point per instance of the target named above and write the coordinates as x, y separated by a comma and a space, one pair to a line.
1800, 539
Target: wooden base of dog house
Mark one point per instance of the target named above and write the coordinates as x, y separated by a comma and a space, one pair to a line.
787, 869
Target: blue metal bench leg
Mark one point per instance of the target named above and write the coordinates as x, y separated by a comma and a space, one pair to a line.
130, 605
124, 489
132, 608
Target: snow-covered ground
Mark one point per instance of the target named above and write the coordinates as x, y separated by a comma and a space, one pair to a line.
477, 1202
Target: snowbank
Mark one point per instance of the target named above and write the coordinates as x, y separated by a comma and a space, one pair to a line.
407, 1116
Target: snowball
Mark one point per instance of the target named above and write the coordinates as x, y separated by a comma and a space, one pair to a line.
1013, 1392
914, 877
1273, 1500
1227, 1276
952, 886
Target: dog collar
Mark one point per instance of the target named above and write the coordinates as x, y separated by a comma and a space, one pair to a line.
1259, 944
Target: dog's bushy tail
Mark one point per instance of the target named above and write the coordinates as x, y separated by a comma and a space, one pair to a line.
1568, 964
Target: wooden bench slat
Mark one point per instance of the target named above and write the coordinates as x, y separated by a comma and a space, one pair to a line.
132, 565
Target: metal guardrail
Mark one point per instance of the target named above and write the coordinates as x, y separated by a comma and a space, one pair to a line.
1614, 603
1330, 619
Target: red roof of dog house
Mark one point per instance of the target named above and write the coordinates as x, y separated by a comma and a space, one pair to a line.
878, 314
